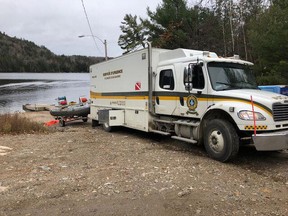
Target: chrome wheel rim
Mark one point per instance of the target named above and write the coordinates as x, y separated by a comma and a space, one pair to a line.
216, 141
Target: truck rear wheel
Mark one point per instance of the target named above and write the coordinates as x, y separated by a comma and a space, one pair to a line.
221, 140
106, 127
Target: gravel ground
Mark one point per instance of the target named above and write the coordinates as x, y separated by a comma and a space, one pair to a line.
78, 170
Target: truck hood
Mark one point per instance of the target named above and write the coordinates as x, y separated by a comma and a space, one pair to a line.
259, 96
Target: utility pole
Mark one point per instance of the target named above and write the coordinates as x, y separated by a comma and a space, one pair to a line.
103, 42
105, 45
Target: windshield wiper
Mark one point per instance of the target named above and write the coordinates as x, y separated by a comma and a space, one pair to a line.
237, 86
228, 84
251, 85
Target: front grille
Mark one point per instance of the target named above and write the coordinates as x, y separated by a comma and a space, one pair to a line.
280, 112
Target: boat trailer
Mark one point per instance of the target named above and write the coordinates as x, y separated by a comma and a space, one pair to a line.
64, 119
71, 112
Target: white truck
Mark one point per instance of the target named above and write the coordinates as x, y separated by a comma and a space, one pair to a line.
190, 95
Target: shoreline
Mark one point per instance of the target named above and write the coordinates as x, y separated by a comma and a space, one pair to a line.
38, 116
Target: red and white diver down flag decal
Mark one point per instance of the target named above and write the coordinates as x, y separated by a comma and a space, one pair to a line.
138, 86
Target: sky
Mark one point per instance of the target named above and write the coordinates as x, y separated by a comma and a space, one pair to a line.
56, 24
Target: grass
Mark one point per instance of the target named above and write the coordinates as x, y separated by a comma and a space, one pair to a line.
17, 124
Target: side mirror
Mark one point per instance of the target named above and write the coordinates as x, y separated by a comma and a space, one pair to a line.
192, 69
188, 77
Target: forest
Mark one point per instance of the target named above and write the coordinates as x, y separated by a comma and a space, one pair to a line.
257, 30
19, 55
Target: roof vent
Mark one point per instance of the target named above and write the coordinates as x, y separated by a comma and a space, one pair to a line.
236, 57
206, 53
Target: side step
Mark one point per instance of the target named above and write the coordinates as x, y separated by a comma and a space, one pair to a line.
163, 121
160, 132
184, 139
193, 124
180, 122
174, 137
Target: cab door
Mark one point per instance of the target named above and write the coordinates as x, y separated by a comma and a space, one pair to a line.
164, 91
194, 103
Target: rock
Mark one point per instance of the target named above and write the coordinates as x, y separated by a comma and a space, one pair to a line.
184, 192
3, 189
45, 168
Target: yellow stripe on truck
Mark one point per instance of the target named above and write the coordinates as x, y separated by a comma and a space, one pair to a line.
94, 95
112, 97
241, 101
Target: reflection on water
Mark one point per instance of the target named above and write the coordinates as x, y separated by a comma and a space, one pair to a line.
17, 89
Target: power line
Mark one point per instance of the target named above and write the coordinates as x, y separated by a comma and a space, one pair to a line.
89, 25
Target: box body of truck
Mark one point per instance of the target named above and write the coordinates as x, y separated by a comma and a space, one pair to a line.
121, 86
190, 95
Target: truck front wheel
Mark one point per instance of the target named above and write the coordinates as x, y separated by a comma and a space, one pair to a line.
221, 140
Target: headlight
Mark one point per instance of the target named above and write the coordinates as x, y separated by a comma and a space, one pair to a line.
248, 115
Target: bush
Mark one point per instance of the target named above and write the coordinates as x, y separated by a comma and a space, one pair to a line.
17, 124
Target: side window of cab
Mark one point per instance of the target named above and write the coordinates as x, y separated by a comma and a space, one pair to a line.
166, 80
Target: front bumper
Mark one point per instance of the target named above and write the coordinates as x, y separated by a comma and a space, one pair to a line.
273, 141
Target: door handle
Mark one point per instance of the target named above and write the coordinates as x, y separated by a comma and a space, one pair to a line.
157, 100
181, 101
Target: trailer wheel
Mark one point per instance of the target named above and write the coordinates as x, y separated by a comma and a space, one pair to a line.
106, 127
62, 122
85, 119
221, 140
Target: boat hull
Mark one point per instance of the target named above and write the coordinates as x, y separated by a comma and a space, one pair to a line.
71, 111
36, 107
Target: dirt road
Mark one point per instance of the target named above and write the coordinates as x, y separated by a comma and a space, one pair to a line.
83, 171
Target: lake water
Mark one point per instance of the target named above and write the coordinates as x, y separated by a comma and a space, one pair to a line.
17, 89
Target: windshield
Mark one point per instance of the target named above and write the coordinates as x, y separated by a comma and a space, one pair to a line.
227, 76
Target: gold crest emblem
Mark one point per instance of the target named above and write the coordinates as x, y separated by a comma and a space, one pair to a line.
192, 104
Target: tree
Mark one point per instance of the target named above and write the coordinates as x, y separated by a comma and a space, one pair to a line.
254, 29
268, 37
205, 30
19, 55
133, 33
174, 25
168, 24
234, 17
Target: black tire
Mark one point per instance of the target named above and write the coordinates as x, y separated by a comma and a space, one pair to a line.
106, 127
221, 140
62, 122
85, 119
95, 123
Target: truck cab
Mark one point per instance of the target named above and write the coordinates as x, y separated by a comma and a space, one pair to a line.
216, 101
